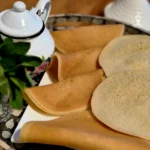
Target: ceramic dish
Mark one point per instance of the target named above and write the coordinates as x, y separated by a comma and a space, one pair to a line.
135, 13
29, 113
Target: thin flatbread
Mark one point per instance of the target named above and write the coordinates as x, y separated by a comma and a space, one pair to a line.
122, 102
80, 131
83, 38
70, 95
126, 53
63, 66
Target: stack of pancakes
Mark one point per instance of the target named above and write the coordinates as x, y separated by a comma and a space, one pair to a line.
99, 76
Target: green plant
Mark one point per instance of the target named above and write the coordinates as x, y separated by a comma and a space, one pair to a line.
13, 75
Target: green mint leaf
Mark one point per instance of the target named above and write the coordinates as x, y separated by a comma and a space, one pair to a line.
8, 63
11, 73
1, 45
19, 48
16, 99
1, 41
22, 75
4, 85
30, 61
8, 40
1, 71
30, 81
18, 83
43, 58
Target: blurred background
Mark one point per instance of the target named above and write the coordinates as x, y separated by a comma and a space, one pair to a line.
92, 7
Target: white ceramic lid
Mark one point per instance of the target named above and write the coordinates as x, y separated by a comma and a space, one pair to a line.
19, 22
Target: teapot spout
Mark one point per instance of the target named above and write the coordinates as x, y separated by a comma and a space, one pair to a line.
43, 8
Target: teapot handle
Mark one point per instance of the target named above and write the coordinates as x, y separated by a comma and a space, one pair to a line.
43, 9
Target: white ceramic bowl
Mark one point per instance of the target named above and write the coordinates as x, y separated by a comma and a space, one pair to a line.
131, 12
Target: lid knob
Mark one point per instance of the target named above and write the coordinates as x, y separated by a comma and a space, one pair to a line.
19, 6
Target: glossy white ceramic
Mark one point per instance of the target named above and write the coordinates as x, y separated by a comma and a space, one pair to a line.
131, 12
29, 26
42, 45
43, 7
19, 22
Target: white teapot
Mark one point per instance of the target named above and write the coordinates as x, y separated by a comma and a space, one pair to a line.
28, 26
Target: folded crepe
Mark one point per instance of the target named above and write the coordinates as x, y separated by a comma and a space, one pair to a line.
70, 95
80, 131
63, 66
82, 38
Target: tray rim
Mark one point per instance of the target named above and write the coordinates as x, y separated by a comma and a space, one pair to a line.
69, 15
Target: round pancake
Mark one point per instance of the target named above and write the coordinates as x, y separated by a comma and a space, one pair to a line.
122, 102
119, 55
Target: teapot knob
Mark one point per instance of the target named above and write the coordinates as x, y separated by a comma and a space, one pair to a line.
19, 6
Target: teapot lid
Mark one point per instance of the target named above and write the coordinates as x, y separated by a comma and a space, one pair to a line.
19, 22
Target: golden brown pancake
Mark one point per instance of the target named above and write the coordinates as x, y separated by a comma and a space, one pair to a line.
80, 131
63, 66
82, 38
70, 95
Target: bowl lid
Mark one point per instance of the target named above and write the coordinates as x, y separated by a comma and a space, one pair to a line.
19, 22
